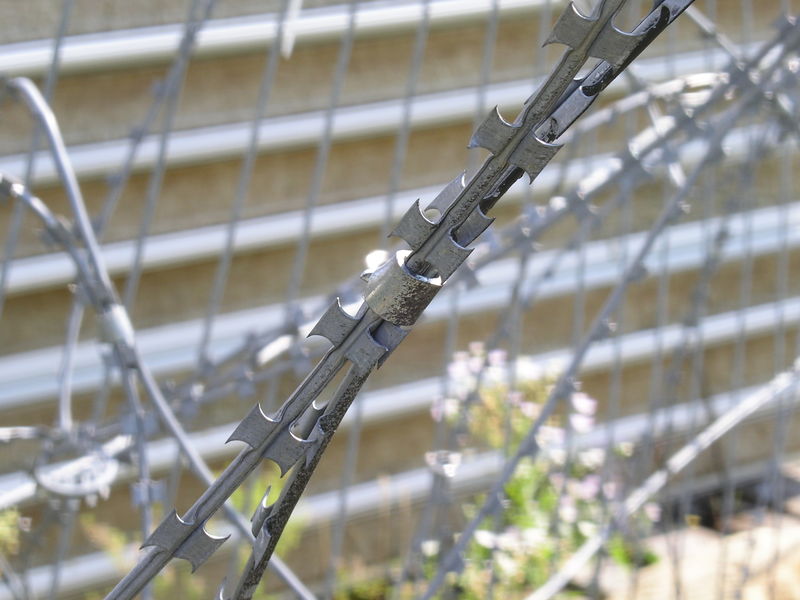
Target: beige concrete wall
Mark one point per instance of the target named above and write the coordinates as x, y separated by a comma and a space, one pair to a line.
37, 19
103, 105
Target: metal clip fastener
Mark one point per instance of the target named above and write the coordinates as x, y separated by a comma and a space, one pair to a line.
398, 295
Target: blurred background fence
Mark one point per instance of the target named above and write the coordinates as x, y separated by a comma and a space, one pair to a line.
238, 166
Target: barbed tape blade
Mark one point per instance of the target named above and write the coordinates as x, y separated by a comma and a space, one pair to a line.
261, 513
603, 39
197, 545
495, 134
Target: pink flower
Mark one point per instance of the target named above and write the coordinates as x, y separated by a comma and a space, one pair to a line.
610, 489
529, 409
516, 398
527, 370
583, 403
556, 480
497, 357
475, 364
485, 538
445, 408
652, 511
589, 487
581, 423
567, 510
476, 348
458, 371
551, 435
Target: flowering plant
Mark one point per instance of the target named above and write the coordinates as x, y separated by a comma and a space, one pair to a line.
554, 502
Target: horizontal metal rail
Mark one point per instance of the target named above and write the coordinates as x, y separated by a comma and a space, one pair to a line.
367, 498
219, 142
133, 47
31, 377
416, 397
258, 233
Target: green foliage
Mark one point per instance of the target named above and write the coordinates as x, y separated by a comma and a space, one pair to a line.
365, 588
106, 537
9, 531
628, 554
552, 504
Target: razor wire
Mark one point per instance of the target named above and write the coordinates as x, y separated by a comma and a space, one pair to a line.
369, 353
517, 235
98, 292
397, 293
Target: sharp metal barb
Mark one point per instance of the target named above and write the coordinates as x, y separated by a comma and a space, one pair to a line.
274, 524
184, 540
